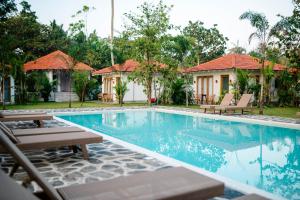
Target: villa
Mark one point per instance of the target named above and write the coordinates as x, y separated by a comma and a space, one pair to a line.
57, 66
121, 72
213, 78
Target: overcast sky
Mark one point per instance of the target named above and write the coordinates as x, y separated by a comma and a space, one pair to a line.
225, 13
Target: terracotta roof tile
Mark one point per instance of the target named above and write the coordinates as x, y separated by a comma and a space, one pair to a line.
231, 61
127, 66
55, 60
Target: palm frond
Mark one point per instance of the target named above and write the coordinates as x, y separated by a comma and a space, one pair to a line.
257, 20
252, 36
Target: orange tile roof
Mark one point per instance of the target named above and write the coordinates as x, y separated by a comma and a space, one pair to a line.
55, 60
233, 61
128, 66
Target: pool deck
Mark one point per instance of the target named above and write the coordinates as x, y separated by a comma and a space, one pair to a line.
107, 160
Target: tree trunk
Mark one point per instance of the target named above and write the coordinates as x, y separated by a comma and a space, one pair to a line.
3, 93
112, 32
70, 91
149, 91
262, 89
186, 92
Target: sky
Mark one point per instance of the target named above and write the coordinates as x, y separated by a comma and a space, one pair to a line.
225, 13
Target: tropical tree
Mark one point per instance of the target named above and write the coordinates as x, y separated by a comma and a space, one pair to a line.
207, 43
268, 74
121, 89
148, 29
237, 49
179, 47
112, 32
242, 80
80, 82
287, 31
262, 33
7, 8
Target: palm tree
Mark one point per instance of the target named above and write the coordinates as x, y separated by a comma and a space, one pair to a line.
262, 33
112, 32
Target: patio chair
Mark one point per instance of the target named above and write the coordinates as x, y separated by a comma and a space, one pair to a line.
52, 140
40, 131
172, 183
241, 105
225, 102
35, 117
251, 197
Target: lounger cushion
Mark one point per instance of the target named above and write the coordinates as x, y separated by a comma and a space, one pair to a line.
11, 190
3, 114
56, 140
25, 117
172, 183
8, 133
41, 131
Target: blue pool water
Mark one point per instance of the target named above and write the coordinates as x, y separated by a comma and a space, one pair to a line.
265, 157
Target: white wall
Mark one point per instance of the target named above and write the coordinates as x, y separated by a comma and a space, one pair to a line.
135, 91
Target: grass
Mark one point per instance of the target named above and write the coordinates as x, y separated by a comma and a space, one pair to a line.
57, 105
272, 111
289, 112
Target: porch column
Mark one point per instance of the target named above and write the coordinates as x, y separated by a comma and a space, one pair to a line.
58, 81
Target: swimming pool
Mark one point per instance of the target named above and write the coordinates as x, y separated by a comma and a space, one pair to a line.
266, 157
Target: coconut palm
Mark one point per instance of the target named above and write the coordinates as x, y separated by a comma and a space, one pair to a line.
262, 33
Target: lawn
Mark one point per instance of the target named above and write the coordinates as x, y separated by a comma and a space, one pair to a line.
272, 111
289, 112
57, 105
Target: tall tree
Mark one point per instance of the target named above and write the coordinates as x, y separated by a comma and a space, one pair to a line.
208, 43
148, 29
287, 30
7, 7
112, 32
262, 33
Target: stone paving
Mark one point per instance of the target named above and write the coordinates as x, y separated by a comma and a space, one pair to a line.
61, 167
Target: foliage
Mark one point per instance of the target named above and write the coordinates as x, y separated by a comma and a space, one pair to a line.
7, 7
242, 80
288, 88
207, 43
37, 84
287, 31
237, 49
120, 89
93, 89
81, 80
178, 92
166, 80
148, 30
263, 34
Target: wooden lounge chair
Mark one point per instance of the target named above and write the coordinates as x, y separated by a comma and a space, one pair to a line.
172, 183
40, 131
53, 140
251, 197
241, 105
225, 102
5, 114
36, 118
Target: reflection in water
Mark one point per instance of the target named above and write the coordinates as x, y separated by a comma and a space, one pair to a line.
262, 156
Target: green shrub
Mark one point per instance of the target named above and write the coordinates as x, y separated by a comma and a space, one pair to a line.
120, 89
178, 92
80, 82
